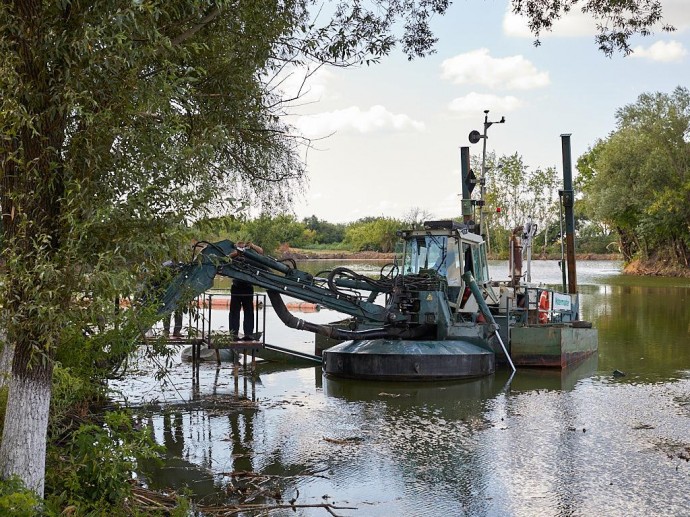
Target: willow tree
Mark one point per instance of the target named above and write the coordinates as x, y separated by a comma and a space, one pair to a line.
121, 121
124, 119
637, 180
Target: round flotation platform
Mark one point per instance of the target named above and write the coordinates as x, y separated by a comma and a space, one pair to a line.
388, 359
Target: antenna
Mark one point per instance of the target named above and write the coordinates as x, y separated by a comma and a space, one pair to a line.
474, 137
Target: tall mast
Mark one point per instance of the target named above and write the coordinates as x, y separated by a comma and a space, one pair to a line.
474, 138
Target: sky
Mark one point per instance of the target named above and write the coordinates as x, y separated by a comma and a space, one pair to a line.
387, 138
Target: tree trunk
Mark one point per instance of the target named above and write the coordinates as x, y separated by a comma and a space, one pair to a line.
23, 450
6, 350
627, 243
32, 193
7, 183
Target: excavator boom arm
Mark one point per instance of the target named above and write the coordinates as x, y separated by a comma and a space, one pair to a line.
224, 258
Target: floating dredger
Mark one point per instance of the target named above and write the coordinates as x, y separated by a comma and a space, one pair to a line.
433, 314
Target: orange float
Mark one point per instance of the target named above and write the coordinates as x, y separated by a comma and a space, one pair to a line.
544, 307
224, 303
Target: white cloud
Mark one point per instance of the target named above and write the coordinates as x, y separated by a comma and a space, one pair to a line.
386, 207
576, 23
376, 118
664, 51
676, 13
473, 103
478, 67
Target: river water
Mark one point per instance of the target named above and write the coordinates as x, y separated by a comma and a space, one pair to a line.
581, 441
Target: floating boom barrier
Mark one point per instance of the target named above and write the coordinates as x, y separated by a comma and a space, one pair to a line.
223, 303
217, 302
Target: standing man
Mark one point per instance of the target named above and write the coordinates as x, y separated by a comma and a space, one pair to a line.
242, 298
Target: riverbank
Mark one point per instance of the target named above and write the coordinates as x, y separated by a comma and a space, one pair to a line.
656, 267
651, 267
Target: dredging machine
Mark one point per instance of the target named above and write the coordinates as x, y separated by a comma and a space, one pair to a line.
433, 314
424, 317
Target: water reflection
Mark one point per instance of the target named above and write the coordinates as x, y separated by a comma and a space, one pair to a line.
176, 472
546, 442
526, 379
211, 443
643, 330
437, 435
415, 393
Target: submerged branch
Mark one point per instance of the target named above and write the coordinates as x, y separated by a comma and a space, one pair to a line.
151, 501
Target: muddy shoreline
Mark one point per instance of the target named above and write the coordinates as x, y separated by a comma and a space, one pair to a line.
656, 267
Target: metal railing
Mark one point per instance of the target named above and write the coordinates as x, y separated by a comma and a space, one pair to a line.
203, 315
535, 306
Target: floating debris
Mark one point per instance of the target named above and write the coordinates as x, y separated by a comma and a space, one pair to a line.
385, 394
344, 441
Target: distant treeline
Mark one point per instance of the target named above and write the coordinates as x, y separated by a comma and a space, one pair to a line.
278, 233
286, 231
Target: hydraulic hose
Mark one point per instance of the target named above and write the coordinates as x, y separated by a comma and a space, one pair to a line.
484, 308
337, 333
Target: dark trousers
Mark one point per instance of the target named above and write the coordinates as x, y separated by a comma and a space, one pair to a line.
177, 329
242, 302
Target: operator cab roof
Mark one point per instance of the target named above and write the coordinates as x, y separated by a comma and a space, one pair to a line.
444, 227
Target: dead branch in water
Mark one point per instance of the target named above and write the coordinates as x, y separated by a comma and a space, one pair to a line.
250, 486
223, 511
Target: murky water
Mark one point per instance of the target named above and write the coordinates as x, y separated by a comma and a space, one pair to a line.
575, 442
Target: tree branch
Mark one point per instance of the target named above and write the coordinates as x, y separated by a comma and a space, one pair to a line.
212, 15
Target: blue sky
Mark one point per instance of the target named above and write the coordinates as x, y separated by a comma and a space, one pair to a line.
387, 137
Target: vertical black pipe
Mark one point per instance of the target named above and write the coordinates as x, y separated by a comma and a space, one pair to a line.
467, 185
465, 170
561, 263
568, 202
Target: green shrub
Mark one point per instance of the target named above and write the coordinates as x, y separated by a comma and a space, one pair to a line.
92, 471
17, 500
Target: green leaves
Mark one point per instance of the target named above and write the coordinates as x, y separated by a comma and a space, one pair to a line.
362, 32
93, 470
17, 500
637, 179
373, 234
616, 21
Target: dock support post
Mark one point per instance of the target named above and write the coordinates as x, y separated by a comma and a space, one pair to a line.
236, 377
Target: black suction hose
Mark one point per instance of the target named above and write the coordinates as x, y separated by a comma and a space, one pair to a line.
336, 333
